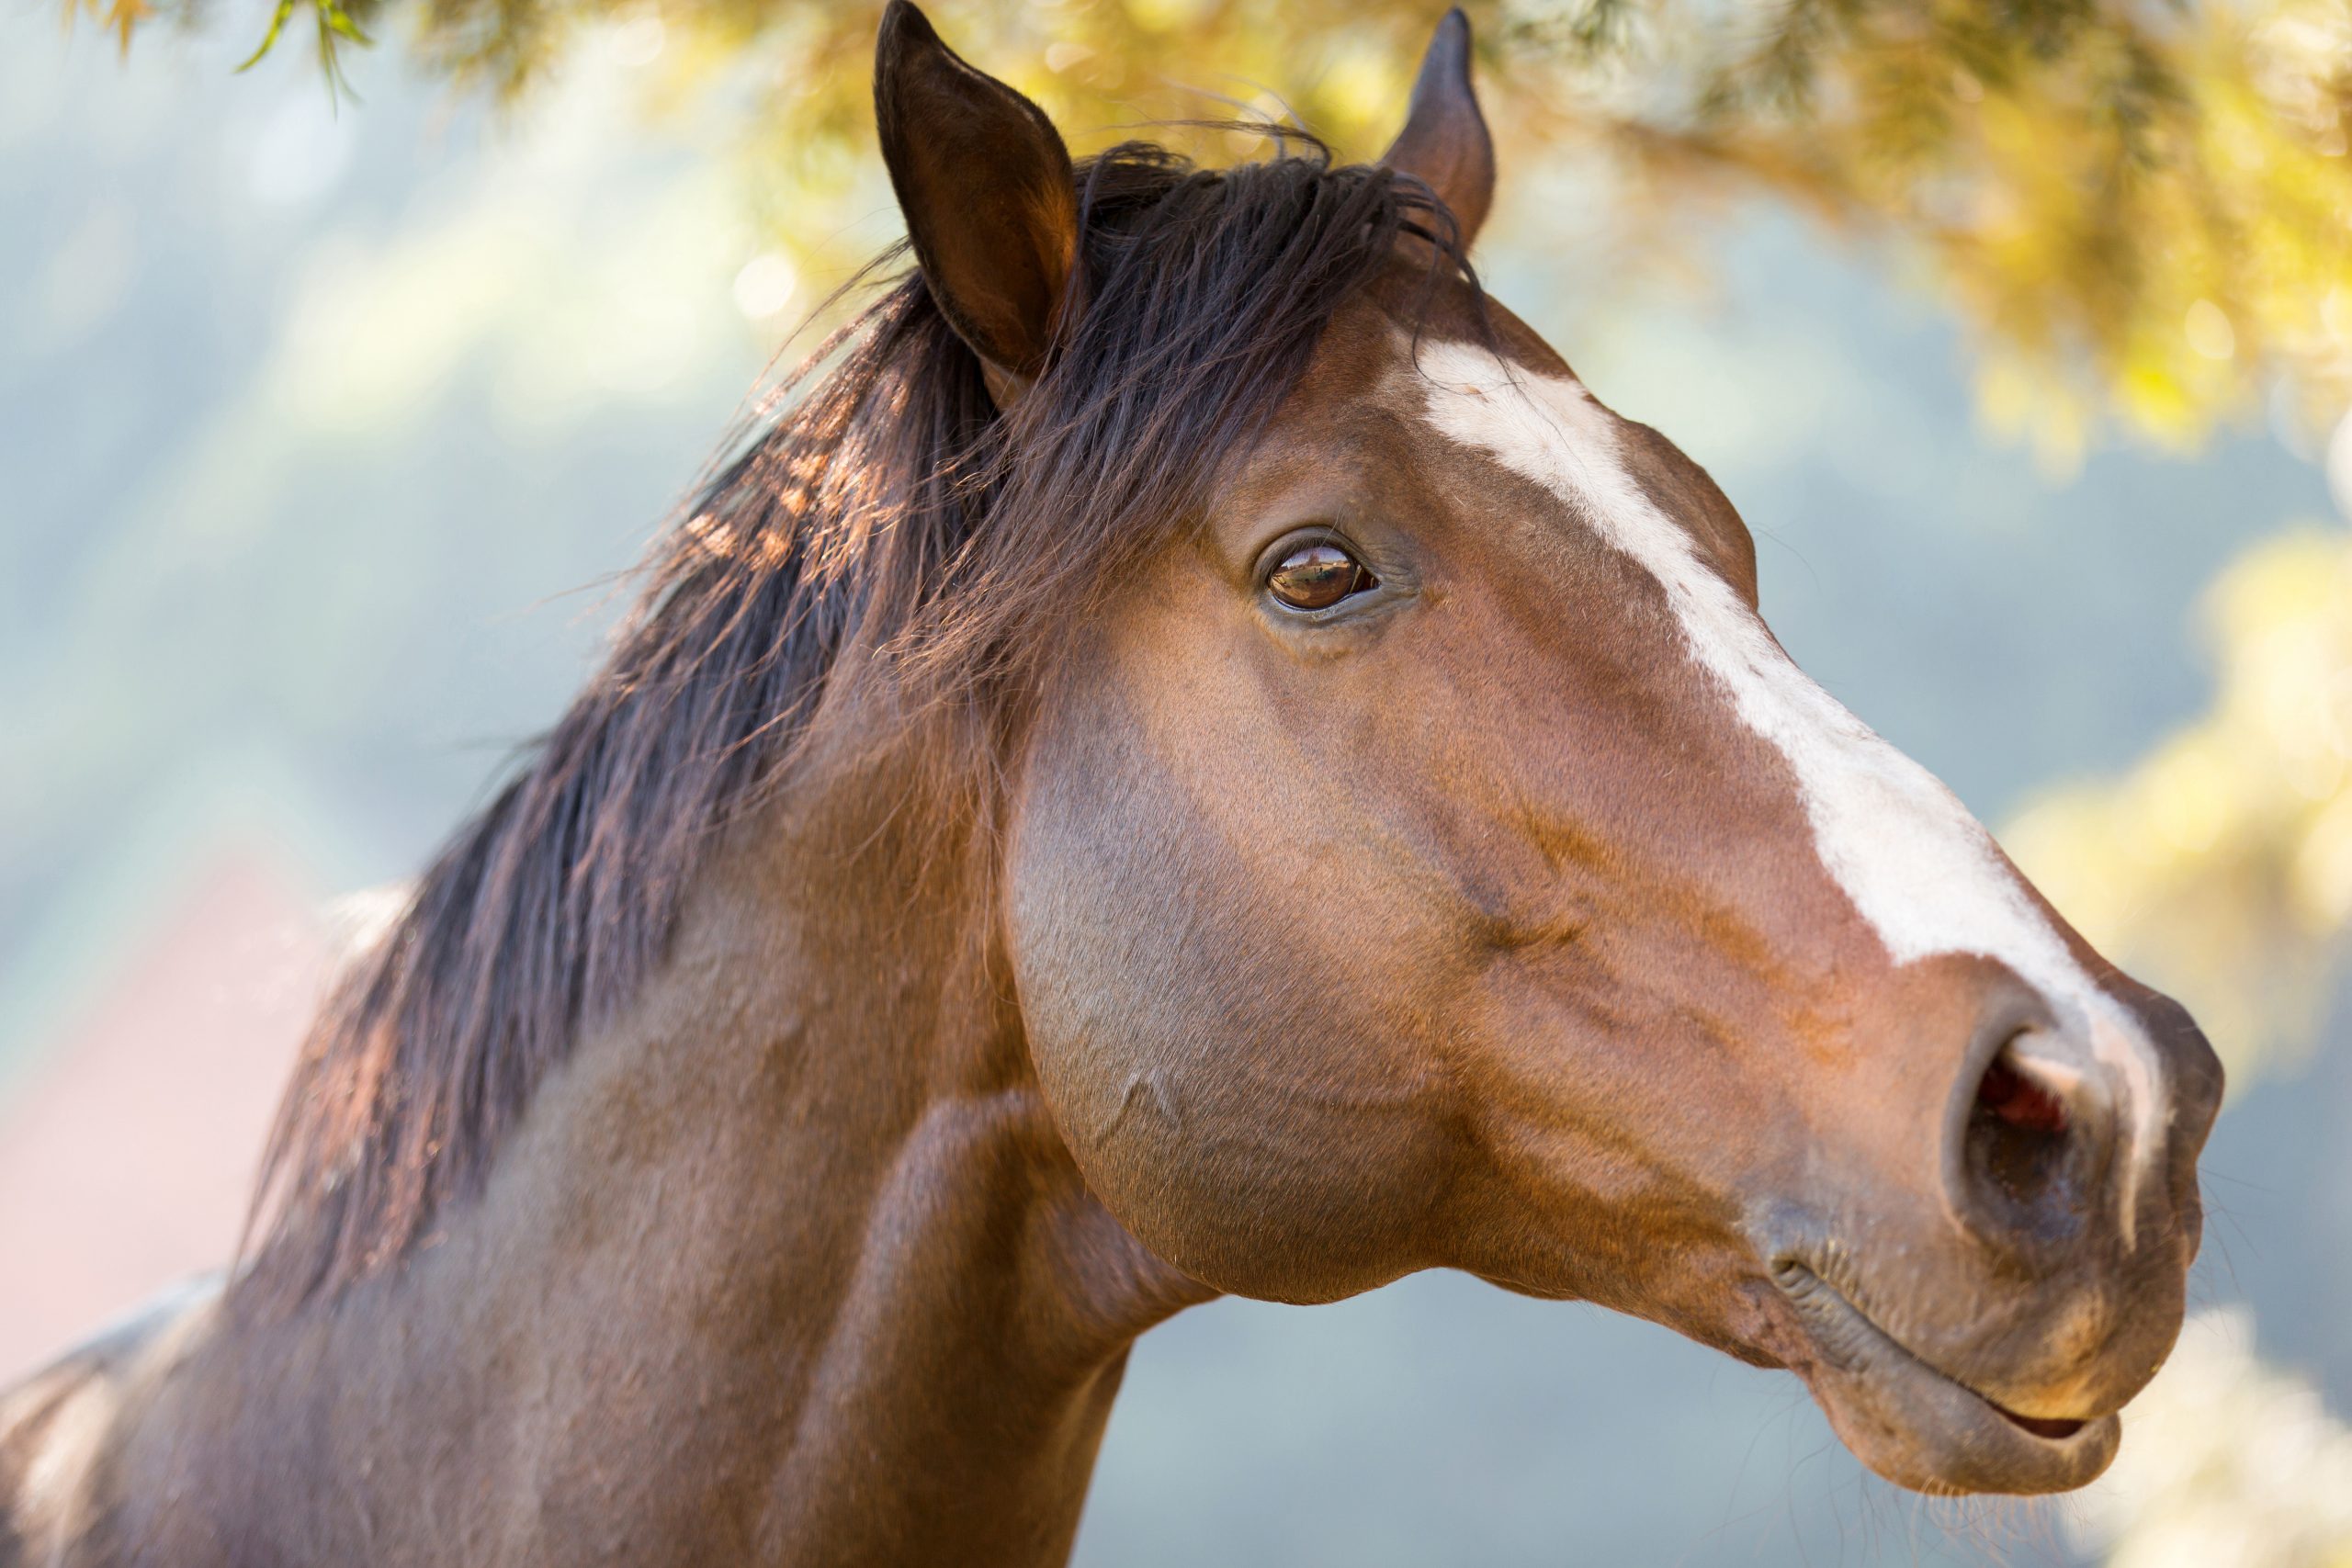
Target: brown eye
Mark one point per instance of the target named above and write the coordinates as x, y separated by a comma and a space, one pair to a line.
1317, 576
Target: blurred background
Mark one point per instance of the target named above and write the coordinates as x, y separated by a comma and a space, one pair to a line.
334, 394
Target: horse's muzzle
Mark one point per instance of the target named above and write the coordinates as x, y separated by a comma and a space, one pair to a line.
1917, 1426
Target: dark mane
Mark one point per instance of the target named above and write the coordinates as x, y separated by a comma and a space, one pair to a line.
891, 509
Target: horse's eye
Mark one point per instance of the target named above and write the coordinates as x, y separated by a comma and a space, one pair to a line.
1317, 576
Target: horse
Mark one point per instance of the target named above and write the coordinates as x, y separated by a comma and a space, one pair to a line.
1191, 755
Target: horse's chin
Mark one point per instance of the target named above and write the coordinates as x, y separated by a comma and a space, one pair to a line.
1921, 1428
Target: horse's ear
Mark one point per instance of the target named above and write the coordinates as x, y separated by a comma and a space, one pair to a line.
1444, 141
986, 186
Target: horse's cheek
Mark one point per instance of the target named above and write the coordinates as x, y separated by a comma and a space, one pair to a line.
1191, 1079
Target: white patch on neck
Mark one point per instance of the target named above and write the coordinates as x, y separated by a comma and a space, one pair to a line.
1923, 872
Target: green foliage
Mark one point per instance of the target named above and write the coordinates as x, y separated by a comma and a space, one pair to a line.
2140, 205
334, 24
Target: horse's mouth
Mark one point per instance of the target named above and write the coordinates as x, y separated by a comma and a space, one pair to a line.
1920, 1428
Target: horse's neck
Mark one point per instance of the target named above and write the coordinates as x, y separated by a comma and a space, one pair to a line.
786, 1265
954, 1308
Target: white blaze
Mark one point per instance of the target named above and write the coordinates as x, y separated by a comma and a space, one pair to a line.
1922, 872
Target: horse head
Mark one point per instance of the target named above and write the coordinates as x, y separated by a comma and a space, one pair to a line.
1423, 854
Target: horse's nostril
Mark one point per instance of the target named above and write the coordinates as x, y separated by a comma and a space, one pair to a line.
2018, 1141
2018, 1101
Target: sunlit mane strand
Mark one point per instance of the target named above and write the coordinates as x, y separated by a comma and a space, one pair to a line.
890, 508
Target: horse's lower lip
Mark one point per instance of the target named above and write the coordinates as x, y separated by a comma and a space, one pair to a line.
1917, 1425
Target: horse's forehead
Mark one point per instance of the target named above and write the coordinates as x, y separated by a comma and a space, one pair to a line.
1359, 414
1367, 357
1380, 411
1356, 369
